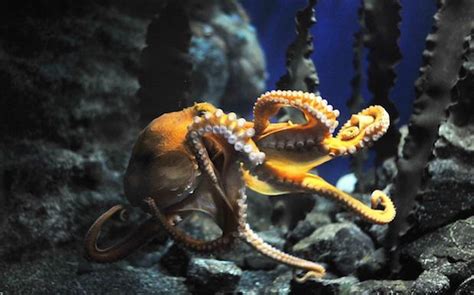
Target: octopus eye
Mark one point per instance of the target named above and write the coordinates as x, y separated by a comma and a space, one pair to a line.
349, 133
201, 113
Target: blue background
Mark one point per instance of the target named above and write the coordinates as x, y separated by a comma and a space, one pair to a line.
333, 38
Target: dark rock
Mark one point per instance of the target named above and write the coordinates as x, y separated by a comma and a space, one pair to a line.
280, 285
259, 211
255, 282
57, 273
201, 227
213, 275
67, 128
373, 265
388, 170
237, 254
175, 260
381, 287
324, 286
378, 232
225, 45
68, 114
305, 227
343, 245
431, 282
449, 193
248, 258
467, 287
287, 213
448, 250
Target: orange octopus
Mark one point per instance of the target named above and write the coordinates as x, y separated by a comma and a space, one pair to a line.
201, 159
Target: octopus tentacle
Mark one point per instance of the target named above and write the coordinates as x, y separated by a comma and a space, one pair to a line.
248, 235
320, 115
315, 184
137, 238
306, 182
187, 241
229, 130
361, 130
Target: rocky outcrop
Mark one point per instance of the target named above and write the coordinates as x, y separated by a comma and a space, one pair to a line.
448, 251
68, 106
210, 275
343, 245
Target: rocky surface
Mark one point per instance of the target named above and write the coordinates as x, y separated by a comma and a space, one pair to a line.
66, 101
225, 45
210, 275
67, 108
448, 251
176, 260
449, 194
381, 287
336, 286
431, 282
63, 272
343, 245
247, 258
306, 227
68, 119
467, 287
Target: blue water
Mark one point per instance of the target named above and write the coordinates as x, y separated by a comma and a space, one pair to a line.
333, 39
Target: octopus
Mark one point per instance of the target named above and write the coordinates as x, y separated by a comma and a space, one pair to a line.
202, 160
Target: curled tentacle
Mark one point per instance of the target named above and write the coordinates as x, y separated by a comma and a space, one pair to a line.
227, 129
285, 181
315, 184
137, 238
321, 117
359, 131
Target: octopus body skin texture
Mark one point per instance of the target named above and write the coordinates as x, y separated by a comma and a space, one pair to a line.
201, 159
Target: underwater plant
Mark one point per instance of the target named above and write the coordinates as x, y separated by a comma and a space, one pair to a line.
439, 74
200, 159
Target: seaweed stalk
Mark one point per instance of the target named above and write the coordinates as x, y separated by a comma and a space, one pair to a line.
356, 100
462, 109
166, 67
438, 75
382, 19
301, 73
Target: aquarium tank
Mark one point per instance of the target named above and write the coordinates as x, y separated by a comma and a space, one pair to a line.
237, 147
